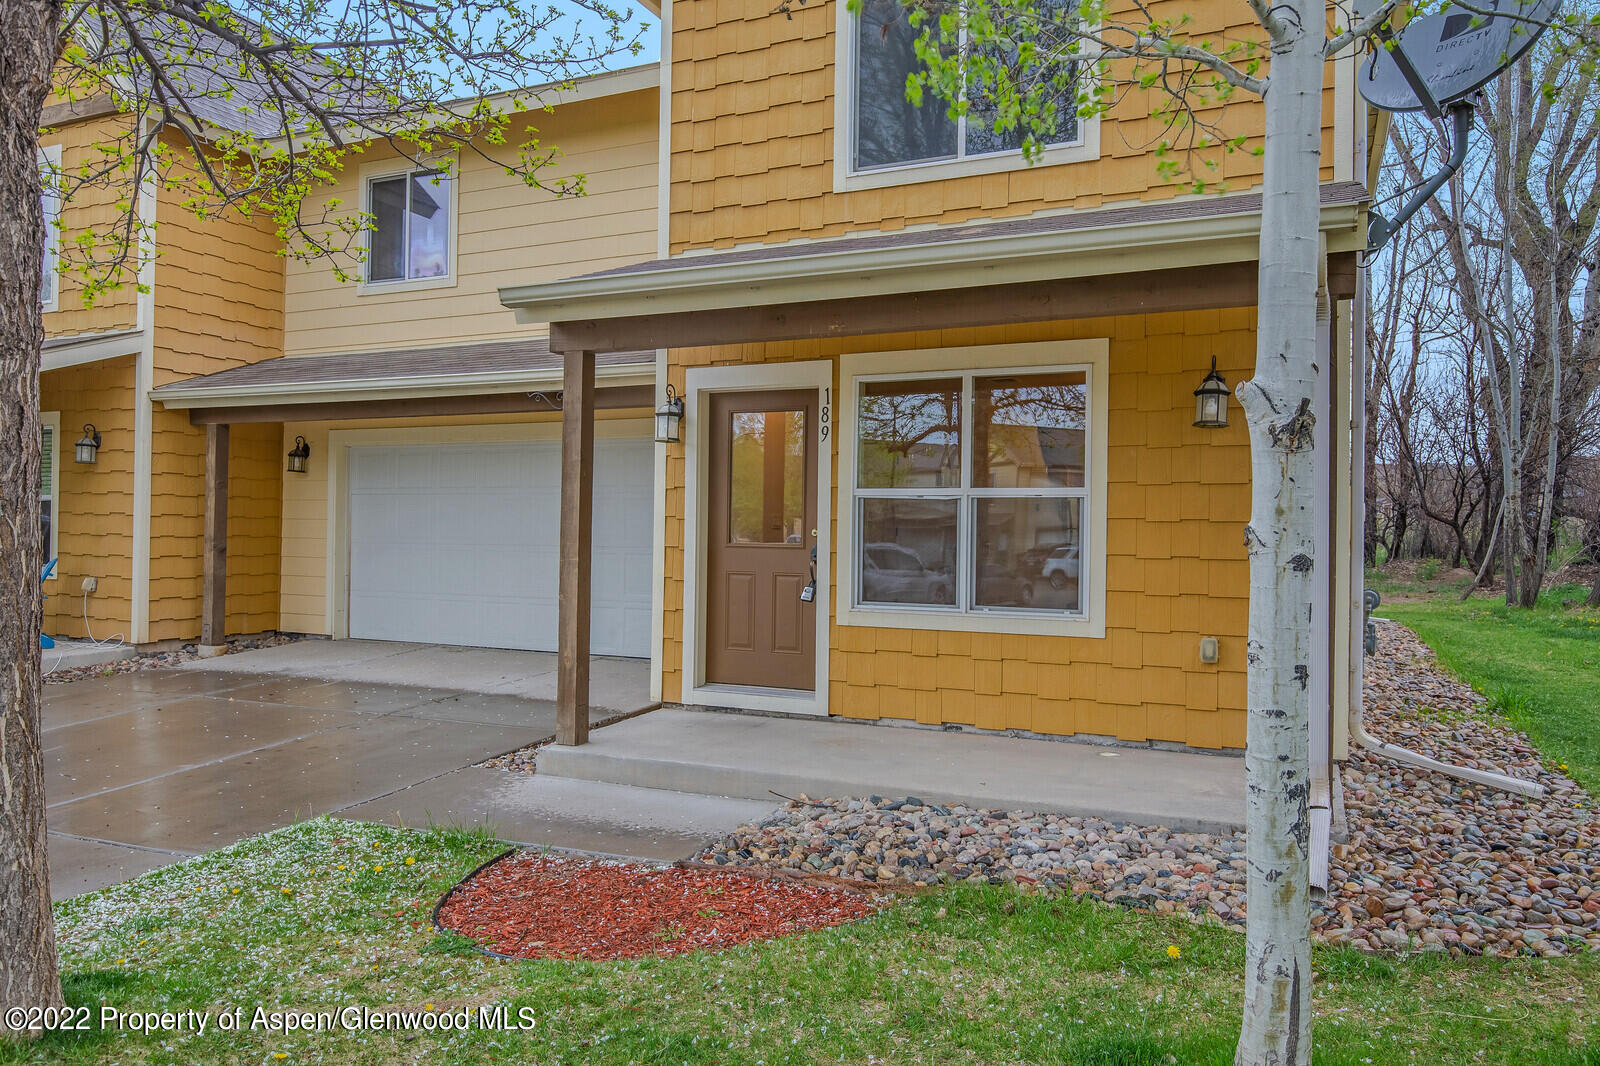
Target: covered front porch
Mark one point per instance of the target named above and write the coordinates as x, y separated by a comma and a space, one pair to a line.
1129, 303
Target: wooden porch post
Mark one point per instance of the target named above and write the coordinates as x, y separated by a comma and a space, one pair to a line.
214, 605
577, 523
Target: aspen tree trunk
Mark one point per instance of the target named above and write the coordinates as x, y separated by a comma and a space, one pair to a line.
1280, 540
28, 968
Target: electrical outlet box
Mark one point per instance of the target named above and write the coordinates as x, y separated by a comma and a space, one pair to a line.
1208, 649
90, 584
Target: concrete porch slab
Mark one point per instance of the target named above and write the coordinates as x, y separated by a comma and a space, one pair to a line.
753, 757
567, 814
615, 684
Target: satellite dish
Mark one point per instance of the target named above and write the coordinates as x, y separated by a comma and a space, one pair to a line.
1452, 55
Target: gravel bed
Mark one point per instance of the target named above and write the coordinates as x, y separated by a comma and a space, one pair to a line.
1431, 863
157, 660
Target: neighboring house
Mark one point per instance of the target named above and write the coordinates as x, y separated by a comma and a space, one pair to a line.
425, 508
950, 368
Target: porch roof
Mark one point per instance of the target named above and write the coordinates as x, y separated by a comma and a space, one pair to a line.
509, 366
1144, 238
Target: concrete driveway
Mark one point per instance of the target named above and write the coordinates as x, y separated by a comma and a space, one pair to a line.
148, 768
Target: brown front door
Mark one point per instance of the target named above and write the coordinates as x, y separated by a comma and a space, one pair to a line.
762, 513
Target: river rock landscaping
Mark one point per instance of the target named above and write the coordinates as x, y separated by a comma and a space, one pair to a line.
154, 660
1430, 862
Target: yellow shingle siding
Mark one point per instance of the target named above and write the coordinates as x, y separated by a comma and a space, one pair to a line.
752, 136
92, 209
218, 304
93, 504
1178, 499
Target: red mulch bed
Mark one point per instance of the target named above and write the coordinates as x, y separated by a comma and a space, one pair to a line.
538, 907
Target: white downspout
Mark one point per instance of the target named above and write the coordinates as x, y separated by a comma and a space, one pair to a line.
1358, 732
1320, 808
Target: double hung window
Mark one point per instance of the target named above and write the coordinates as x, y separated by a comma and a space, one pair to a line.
971, 491
410, 235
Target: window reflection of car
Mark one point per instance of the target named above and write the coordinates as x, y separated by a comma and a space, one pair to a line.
893, 574
1061, 566
1001, 585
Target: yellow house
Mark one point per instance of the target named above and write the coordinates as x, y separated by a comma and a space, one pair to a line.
937, 458
418, 398
925, 442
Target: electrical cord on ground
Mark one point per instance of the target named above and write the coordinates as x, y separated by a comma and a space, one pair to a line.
110, 642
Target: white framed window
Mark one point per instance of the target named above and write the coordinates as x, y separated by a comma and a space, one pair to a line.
974, 494
49, 167
49, 480
881, 138
411, 242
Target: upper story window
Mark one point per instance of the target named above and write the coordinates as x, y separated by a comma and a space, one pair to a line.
410, 235
890, 131
49, 165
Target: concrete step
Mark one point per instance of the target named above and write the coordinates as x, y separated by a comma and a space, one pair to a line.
567, 814
762, 758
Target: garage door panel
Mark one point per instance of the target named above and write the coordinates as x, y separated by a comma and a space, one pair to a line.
459, 544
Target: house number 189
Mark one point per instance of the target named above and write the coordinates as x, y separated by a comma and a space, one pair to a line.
825, 417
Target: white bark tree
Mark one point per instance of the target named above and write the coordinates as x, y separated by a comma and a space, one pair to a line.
1014, 65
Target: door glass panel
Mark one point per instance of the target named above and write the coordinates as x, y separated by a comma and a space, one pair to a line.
1028, 431
910, 435
1028, 552
767, 494
908, 551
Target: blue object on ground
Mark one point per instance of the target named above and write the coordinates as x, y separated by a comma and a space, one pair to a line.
49, 568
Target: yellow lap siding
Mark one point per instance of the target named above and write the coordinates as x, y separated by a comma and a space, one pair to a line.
1177, 499
93, 504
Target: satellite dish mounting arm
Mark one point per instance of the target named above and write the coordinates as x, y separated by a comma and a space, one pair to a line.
1380, 229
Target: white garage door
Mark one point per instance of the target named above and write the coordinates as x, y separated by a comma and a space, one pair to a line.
459, 544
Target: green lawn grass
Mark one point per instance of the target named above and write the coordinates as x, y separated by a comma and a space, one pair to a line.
963, 975
1540, 666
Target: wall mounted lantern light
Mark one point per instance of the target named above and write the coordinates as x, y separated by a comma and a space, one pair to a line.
88, 446
298, 456
1211, 400
669, 418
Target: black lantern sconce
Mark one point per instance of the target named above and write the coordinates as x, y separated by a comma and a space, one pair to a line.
669, 418
86, 449
298, 456
1211, 400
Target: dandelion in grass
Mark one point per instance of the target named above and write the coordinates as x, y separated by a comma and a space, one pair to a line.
411, 860
1174, 952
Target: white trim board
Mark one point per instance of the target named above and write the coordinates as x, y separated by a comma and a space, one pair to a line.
1092, 355
699, 384
336, 590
